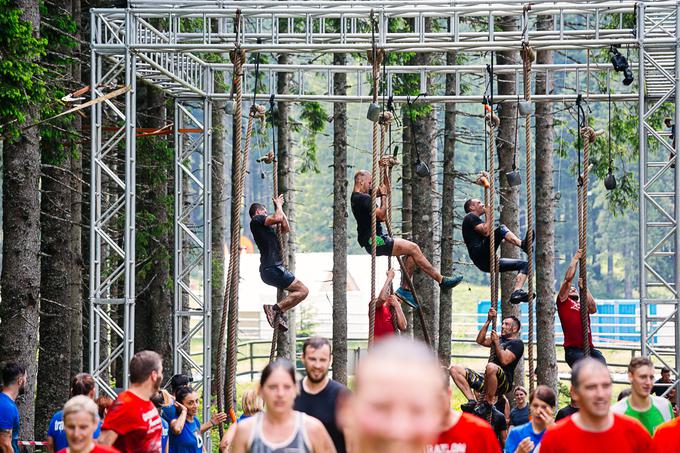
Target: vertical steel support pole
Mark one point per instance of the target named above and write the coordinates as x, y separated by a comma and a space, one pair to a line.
95, 202
643, 178
177, 243
207, 253
676, 258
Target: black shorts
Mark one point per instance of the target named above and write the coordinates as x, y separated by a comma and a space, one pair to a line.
383, 245
277, 276
476, 381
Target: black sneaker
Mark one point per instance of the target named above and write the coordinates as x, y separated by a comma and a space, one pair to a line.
468, 407
482, 409
519, 296
282, 322
526, 241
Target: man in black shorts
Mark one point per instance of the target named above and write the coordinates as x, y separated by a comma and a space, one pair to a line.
476, 236
385, 244
499, 372
272, 271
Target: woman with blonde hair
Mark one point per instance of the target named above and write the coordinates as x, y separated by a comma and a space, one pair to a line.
251, 404
81, 418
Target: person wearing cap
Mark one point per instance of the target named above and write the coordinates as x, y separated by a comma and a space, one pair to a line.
169, 412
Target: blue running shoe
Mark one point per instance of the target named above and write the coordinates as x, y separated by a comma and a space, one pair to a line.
406, 296
451, 282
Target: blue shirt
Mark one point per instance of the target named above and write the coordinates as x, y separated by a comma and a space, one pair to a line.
519, 416
169, 413
189, 440
9, 419
164, 434
519, 433
57, 433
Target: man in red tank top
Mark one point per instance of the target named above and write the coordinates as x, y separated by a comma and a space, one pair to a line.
594, 427
569, 311
384, 306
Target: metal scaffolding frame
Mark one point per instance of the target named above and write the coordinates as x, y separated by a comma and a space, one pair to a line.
659, 182
164, 43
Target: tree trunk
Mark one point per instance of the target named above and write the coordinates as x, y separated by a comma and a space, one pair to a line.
407, 199
508, 196
423, 216
447, 216
340, 225
286, 342
20, 278
219, 226
153, 312
505, 148
545, 226
75, 290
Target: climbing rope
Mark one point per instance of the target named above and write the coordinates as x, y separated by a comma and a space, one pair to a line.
230, 307
588, 135
528, 57
375, 56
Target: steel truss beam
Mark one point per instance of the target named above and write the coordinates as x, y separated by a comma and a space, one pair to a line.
659, 184
112, 232
192, 251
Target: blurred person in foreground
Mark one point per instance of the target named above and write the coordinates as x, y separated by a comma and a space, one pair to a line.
594, 427
397, 405
251, 404
280, 428
81, 419
81, 384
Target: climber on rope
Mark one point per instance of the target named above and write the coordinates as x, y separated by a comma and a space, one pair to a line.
569, 312
272, 270
476, 237
498, 375
386, 245
386, 306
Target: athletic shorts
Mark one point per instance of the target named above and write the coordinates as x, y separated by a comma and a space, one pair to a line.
476, 381
383, 245
277, 276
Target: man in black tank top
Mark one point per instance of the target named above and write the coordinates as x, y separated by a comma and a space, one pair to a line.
320, 395
272, 271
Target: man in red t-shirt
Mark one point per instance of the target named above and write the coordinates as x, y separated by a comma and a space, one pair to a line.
594, 427
384, 305
133, 424
569, 311
667, 437
463, 432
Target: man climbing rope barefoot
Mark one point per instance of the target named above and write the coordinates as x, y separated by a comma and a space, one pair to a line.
497, 379
476, 237
272, 271
385, 244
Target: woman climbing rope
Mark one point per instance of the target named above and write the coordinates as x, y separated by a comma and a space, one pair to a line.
272, 270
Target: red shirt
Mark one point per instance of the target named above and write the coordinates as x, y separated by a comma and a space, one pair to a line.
470, 434
569, 312
667, 437
625, 436
383, 320
97, 449
137, 423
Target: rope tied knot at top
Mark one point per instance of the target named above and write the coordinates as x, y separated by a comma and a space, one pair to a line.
386, 118
492, 119
589, 134
528, 53
388, 161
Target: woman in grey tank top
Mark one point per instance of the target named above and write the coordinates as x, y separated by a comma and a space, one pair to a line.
280, 429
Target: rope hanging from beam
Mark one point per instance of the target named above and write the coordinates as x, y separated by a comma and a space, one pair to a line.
528, 57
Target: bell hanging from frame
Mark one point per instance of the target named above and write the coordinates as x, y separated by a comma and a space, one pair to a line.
422, 169
610, 181
373, 113
525, 108
229, 107
514, 178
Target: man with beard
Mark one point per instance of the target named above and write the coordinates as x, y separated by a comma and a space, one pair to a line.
13, 385
397, 405
133, 423
594, 427
319, 395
